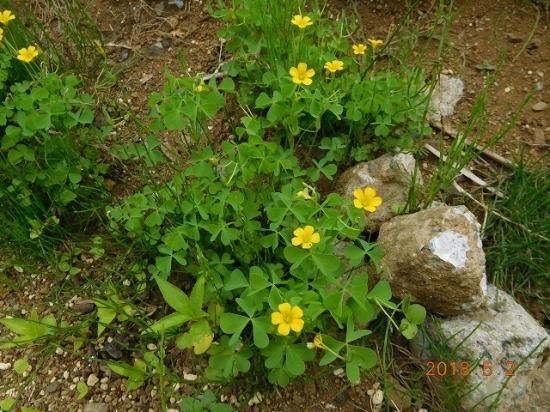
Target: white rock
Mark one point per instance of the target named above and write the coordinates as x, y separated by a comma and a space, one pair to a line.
501, 335
256, 399
4, 366
92, 380
446, 94
436, 256
190, 377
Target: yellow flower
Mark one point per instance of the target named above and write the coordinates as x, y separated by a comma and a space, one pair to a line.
301, 21
305, 237
27, 54
1, 34
6, 16
375, 43
301, 74
366, 199
288, 317
318, 341
304, 194
334, 66
359, 48
201, 88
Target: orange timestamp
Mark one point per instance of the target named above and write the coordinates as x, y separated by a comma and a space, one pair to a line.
463, 368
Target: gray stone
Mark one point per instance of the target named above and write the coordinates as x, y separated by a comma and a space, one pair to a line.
436, 257
502, 336
84, 307
514, 38
96, 407
391, 176
539, 107
446, 94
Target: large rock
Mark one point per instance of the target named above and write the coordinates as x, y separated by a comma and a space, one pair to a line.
497, 340
446, 94
435, 256
391, 176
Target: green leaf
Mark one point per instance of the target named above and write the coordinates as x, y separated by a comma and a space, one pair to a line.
329, 265
263, 101
197, 295
82, 390
258, 280
174, 297
67, 196
415, 314
259, 332
154, 219
7, 404
173, 120
227, 85
381, 290
407, 329
294, 363
20, 365
105, 315
231, 323
164, 265
295, 255
276, 112
171, 321
354, 254
236, 280
279, 377
199, 336
353, 372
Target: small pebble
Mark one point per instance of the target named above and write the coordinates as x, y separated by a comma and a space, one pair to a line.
152, 347
539, 107
190, 377
4, 366
59, 351
92, 380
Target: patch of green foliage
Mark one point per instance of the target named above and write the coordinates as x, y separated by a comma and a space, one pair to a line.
517, 236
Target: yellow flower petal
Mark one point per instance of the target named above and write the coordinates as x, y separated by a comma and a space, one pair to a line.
296, 241
293, 71
27, 54
310, 73
358, 203
308, 230
297, 325
377, 201
307, 245
297, 312
370, 208
276, 318
307, 82
315, 238
283, 329
358, 193
302, 67
285, 309
6, 16
370, 192
298, 232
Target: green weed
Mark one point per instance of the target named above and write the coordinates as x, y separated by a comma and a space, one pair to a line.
517, 235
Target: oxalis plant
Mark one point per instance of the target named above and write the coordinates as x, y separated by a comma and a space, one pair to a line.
50, 167
304, 78
279, 272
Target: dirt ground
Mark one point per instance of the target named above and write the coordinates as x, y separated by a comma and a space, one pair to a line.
144, 38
